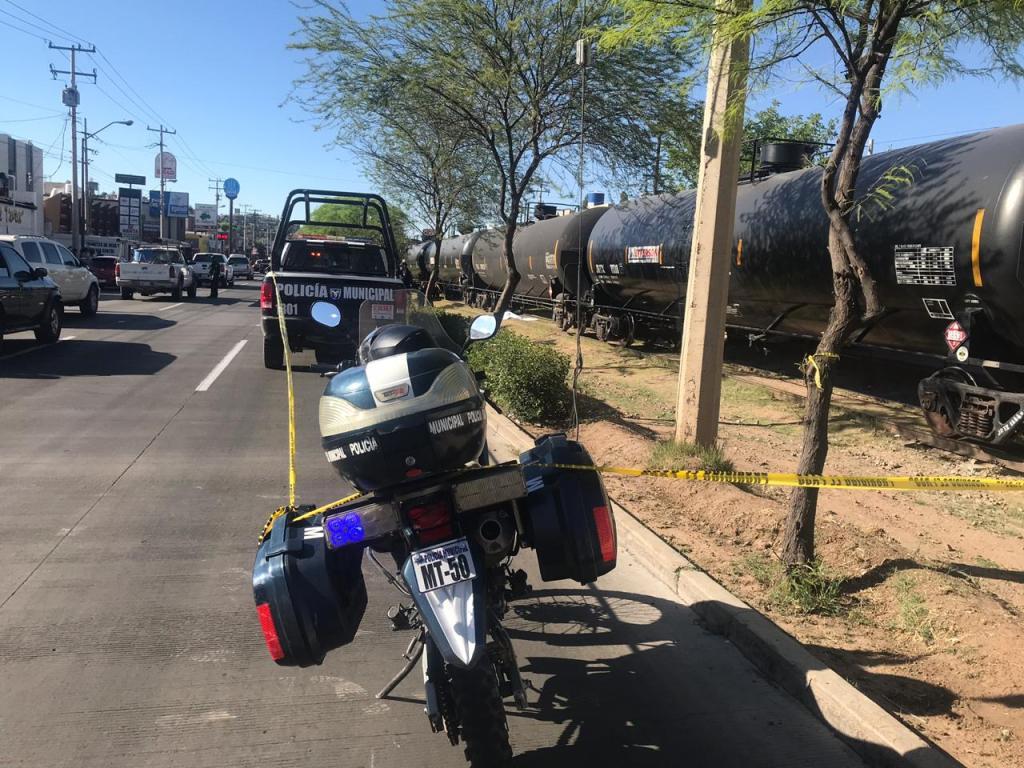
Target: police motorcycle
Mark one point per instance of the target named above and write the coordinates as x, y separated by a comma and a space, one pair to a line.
407, 427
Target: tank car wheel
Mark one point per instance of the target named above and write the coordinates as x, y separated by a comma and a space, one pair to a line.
601, 330
628, 331
941, 421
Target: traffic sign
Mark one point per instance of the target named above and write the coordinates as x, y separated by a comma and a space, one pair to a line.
955, 335
231, 188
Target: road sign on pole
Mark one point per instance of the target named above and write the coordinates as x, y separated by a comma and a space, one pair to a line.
231, 188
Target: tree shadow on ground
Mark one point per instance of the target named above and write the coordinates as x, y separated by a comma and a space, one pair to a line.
879, 573
895, 692
646, 686
116, 321
86, 358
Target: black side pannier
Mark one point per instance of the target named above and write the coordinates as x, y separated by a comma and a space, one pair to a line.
309, 599
568, 517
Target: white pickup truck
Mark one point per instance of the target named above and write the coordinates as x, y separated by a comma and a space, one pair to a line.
201, 266
158, 269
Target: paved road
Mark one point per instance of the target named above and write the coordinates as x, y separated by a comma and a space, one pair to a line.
129, 506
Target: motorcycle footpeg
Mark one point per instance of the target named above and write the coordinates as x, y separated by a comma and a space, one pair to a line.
400, 617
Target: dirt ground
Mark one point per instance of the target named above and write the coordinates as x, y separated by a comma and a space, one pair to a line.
928, 587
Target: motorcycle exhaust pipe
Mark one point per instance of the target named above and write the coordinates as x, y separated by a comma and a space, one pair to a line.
495, 533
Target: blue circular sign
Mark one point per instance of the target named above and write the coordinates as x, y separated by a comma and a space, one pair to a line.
231, 188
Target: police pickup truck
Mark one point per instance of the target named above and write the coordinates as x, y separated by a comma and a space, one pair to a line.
315, 260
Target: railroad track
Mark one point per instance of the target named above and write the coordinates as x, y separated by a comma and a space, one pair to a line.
908, 425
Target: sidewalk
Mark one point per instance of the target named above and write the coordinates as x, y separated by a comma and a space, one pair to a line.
875, 735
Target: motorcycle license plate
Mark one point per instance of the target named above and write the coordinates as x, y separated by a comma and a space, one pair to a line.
443, 565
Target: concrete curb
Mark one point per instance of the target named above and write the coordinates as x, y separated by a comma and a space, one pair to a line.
878, 737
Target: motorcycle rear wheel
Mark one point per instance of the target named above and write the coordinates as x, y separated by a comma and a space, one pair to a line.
478, 704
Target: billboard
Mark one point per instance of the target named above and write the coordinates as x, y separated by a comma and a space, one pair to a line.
165, 166
177, 205
129, 208
154, 203
206, 216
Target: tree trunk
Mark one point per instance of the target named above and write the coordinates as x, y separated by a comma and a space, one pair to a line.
435, 270
432, 282
798, 537
512, 279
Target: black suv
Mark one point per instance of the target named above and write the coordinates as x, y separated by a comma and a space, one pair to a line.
29, 300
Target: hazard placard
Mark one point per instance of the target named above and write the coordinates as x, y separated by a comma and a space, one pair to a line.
955, 335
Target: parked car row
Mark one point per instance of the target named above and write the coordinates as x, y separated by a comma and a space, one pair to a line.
39, 277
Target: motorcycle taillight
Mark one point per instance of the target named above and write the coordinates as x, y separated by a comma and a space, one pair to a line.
432, 521
269, 631
267, 295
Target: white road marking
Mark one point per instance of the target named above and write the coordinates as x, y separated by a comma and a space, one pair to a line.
206, 383
33, 349
170, 306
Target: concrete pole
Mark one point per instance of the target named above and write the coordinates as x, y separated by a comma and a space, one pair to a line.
700, 362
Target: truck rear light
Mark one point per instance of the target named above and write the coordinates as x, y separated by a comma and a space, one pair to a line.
432, 521
605, 533
267, 295
170, 272
117, 269
270, 631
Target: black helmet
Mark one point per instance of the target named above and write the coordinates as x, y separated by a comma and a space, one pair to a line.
394, 340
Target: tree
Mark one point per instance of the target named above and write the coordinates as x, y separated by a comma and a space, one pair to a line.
873, 46
351, 214
437, 174
681, 142
502, 72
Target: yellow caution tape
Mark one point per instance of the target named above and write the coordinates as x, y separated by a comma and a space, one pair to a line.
793, 480
778, 479
291, 395
813, 363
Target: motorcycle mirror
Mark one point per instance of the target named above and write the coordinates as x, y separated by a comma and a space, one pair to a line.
483, 327
326, 314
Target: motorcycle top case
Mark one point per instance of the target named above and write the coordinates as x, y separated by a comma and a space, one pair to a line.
568, 516
402, 417
309, 599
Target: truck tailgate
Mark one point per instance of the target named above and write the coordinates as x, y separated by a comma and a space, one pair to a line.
149, 273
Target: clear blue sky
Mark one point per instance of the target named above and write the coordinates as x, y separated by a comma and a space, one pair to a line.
220, 72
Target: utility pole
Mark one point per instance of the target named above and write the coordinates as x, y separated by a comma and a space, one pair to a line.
85, 177
71, 99
163, 197
214, 187
707, 288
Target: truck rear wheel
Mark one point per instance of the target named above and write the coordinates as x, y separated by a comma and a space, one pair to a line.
127, 293
176, 292
273, 353
192, 290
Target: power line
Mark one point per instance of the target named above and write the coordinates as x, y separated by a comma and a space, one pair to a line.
57, 112
46, 152
64, 32
23, 31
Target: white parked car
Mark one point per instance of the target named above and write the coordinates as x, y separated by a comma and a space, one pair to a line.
77, 284
240, 264
156, 269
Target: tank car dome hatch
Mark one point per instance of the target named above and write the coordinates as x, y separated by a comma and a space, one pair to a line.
782, 156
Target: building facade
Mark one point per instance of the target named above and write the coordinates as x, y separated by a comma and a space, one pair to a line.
21, 187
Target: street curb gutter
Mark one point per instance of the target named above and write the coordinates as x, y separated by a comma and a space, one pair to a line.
879, 738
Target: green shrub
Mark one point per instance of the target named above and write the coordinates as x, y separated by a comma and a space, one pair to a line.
524, 378
455, 325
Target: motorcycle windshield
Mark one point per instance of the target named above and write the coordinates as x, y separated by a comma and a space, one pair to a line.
404, 306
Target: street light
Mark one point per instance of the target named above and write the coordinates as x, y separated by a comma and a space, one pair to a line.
85, 165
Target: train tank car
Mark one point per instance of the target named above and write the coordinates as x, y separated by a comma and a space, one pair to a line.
488, 264
419, 258
945, 248
548, 256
